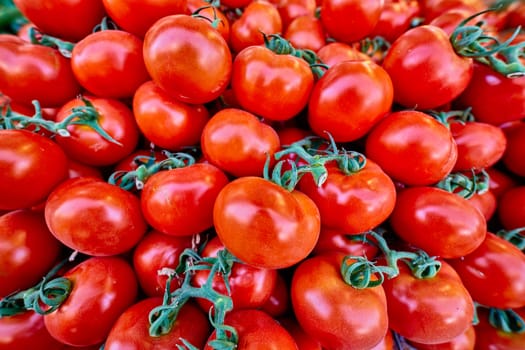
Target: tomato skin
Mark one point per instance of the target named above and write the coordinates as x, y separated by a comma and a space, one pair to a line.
179, 202
27, 71
511, 208
395, 18
420, 52
513, 157
26, 331
339, 105
412, 147
439, 222
493, 273
273, 86
430, 9
70, 20
442, 302
331, 240
334, 313
500, 181
350, 20
45, 166
109, 63
125, 14
306, 32
130, 330
485, 202
86, 145
103, 287
335, 52
237, 142
257, 331
278, 304
27, 250
304, 340
94, 217
153, 252
204, 61
464, 341
263, 224
490, 338
289, 10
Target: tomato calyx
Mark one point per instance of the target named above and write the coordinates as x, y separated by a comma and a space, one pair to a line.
64, 47
453, 116
472, 41
163, 317
464, 185
376, 47
358, 271
44, 298
214, 4
505, 320
515, 236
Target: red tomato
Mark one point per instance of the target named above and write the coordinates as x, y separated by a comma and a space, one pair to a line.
350, 20
485, 202
464, 341
258, 17
179, 202
500, 181
278, 303
27, 250
26, 331
491, 338
77, 169
273, 86
238, 143
130, 331
430, 9
395, 18
335, 52
387, 343
439, 222
31, 166
249, 287
412, 147
334, 313
69, 19
289, 10
27, 72
304, 340
429, 310
263, 224
493, 273
212, 15
331, 240
203, 58
306, 33
86, 145
511, 208
154, 252
165, 121
514, 155
450, 19
109, 63
137, 16
257, 331
415, 65
102, 288
94, 217
350, 98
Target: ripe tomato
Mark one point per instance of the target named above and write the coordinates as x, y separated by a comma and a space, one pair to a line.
339, 105
109, 63
430, 9
265, 225
304, 340
203, 58
412, 148
514, 155
439, 222
26, 331
86, 145
306, 33
94, 217
278, 304
70, 19
30, 167
273, 86
27, 250
485, 202
102, 288
130, 331
493, 273
238, 143
27, 72
395, 19
511, 208
212, 15
491, 338
289, 10
464, 341
500, 181
331, 240
429, 310
334, 313
335, 52
417, 57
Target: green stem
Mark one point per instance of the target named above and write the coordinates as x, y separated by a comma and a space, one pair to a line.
454, 116
64, 47
376, 47
465, 186
8, 16
506, 320
515, 236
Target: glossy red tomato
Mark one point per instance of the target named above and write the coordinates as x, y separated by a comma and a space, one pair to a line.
27, 250
415, 65
86, 145
109, 63
304, 340
204, 61
500, 181
102, 288
31, 166
349, 99
485, 202
238, 142
26, 331
94, 217
77, 169
306, 33
514, 155
71, 19
272, 86
430, 9
278, 304
429, 310
491, 338
439, 222
511, 208
331, 311
395, 19
464, 341
265, 225
331, 240
130, 331
493, 273
335, 52
412, 147
289, 10
212, 15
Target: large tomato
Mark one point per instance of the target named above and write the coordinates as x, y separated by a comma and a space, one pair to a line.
31, 166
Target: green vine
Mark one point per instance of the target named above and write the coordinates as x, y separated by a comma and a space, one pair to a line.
466, 186
515, 236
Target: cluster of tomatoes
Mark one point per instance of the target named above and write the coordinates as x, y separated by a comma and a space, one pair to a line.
262, 174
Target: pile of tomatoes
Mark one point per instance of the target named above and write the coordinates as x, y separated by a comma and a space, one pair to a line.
262, 174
